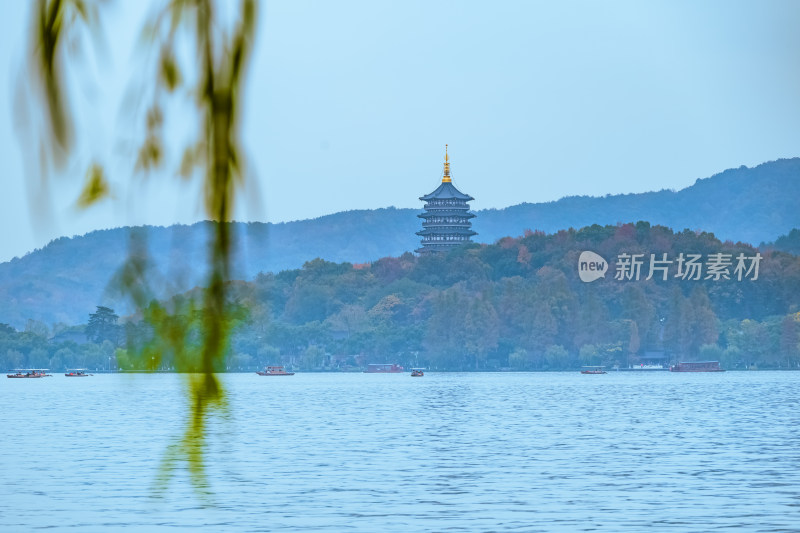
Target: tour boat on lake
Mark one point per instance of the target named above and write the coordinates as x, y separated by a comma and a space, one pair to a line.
275, 371
78, 373
383, 369
30, 373
697, 366
417, 372
593, 370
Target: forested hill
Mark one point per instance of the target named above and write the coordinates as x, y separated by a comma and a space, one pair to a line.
526, 303
65, 280
745, 204
523, 303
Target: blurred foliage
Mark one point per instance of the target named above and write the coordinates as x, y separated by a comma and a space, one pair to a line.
195, 337
55, 22
95, 188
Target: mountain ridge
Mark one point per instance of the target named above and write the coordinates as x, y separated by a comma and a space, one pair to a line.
63, 281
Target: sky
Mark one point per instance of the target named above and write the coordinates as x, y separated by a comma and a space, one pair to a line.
349, 105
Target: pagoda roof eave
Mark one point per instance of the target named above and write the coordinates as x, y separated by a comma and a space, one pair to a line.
448, 231
446, 191
465, 214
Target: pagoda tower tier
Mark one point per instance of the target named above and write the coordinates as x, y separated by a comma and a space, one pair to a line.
446, 222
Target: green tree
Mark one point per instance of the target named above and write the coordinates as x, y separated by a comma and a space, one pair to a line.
444, 342
37, 328
633, 343
309, 301
754, 342
790, 339
638, 307
268, 355
103, 326
351, 319
711, 352
589, 355
97, 356
591, 323
63, 358
313, 358
14, 359
543, 329
732, 358
677, 327
556, 356
39, 358
703, 322
519, 360
122, 360
480, 329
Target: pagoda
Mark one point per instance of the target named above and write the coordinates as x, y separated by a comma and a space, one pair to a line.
446, 220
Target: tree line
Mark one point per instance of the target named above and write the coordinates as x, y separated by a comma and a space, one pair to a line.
517, 304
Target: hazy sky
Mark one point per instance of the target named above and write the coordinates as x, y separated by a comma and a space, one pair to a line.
349, 105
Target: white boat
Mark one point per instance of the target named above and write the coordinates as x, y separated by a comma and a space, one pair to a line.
274, 371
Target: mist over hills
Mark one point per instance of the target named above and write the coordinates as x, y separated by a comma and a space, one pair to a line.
65, 280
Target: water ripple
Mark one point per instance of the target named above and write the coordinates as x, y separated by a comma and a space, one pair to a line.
450, 452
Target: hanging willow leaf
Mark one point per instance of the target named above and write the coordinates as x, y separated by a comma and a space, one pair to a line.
170, 74
82, 9
48, 35
95, 188
196, 335
149, 154
54, 23
154, 118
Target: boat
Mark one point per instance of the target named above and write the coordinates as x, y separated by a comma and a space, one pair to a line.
78, 373
274, 371
593, 370
417, 372
383, 369
30, 373
697, 366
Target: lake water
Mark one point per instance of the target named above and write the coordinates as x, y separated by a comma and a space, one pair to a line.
372, 453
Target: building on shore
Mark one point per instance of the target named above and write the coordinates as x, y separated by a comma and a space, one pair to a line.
446, 220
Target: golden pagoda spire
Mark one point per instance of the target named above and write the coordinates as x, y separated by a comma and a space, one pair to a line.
446, 177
